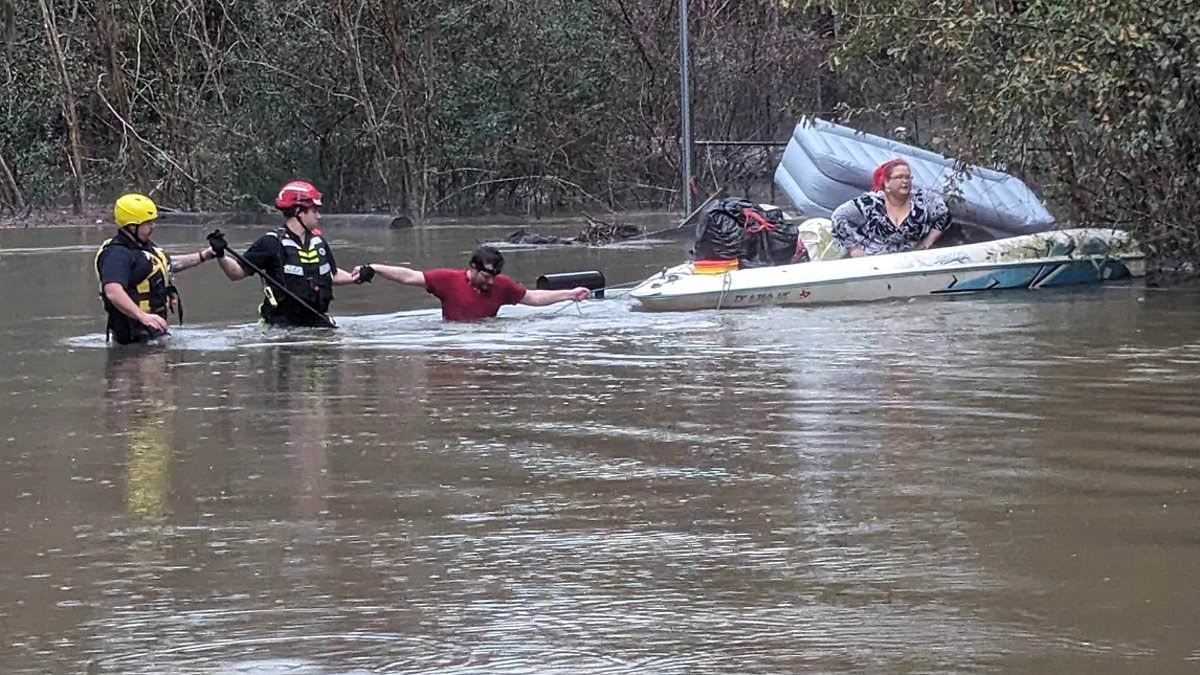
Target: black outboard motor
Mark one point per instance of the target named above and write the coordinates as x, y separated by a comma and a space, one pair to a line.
592, 280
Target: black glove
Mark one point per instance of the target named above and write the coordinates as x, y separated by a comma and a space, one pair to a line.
217, 242
365, 274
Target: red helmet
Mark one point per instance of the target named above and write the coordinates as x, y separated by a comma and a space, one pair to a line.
297, 193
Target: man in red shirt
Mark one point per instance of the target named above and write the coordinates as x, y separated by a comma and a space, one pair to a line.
475, 293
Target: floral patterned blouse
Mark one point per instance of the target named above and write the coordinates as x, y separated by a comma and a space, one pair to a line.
862, 222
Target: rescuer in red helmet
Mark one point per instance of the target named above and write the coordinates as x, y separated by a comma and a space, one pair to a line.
296, 257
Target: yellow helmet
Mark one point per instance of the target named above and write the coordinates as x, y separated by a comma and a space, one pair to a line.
134, 209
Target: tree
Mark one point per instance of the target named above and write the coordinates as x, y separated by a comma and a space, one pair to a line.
1096, 102
70, 114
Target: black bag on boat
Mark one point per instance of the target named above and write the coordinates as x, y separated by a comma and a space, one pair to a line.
769, 240
719, 234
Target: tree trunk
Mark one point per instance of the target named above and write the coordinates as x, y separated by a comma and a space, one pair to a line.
110, 39
10, 194
394, 20
827, 81
8, 25
354, 53
1067, 172
75, 145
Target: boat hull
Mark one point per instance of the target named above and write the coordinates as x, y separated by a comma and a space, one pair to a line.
1045, 260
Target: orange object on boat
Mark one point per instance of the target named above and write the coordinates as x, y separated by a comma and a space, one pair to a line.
714, 266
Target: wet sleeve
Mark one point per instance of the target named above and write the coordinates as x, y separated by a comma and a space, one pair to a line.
848, 220
514, 292
116, 266
435, 280
263, 253
329, 254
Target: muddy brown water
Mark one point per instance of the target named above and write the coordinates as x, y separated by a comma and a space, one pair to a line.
1003, 483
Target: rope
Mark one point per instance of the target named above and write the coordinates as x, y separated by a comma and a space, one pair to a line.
755, 222
573, 302
726, 284
624, 289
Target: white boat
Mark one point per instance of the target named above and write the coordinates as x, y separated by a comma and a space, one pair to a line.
1042, 260
826, 164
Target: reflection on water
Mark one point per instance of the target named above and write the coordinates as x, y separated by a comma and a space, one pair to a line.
987, 484
139, 401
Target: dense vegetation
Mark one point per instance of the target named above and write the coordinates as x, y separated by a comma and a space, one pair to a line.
1097, 103
430, 106
425, 106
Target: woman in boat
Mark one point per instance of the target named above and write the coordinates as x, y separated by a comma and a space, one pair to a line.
893, 217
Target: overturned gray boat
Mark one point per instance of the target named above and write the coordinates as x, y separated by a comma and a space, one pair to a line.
826, 164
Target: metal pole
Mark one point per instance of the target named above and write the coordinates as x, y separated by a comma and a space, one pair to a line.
685, 109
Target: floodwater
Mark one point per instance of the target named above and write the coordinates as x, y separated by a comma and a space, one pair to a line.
1003, 483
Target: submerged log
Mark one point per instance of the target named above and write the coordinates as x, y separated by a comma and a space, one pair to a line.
524, 236
217, 218
391, 221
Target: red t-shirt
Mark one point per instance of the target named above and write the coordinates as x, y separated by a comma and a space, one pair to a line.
463, 302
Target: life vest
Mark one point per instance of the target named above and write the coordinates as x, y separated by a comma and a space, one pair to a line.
306, 272
155, 293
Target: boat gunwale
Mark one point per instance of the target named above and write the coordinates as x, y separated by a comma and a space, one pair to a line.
879, 274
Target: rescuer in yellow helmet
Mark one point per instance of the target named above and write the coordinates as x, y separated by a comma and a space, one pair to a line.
135, 274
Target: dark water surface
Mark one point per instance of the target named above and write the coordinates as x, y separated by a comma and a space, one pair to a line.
1001, 484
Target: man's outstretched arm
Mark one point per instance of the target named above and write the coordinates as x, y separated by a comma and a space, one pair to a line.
538, 298
400, 275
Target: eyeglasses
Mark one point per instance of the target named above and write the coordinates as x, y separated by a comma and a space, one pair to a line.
484, 270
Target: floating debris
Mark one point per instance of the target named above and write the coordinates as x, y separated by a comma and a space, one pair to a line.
596, 233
